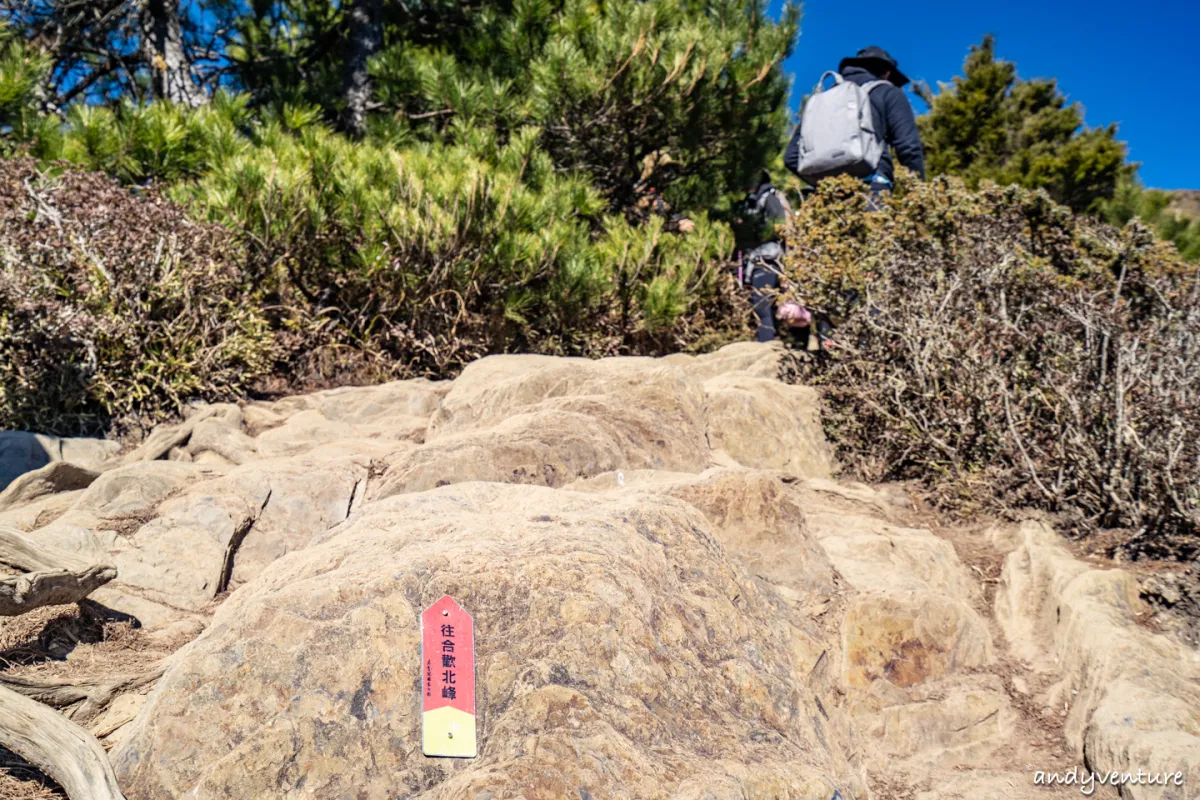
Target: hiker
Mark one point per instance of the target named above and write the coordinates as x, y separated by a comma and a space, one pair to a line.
765, 211
830, 142
824, 145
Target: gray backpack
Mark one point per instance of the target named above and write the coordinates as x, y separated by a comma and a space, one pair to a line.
837, 131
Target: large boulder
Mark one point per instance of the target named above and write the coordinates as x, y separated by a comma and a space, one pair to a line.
672, 599
755, 516
179, 534
764, 424
621, 653
547, 421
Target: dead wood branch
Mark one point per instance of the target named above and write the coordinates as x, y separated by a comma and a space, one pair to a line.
85, 698
58, 747
22, 593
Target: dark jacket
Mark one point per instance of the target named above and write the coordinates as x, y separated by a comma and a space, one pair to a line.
893, 116
761, 217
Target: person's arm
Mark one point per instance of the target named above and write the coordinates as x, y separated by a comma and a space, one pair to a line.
791, 156
902, 132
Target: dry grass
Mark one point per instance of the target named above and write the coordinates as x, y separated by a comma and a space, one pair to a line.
19, 781
28, 638
70, 643
73, 643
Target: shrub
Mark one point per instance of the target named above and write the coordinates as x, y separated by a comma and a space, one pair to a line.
114, 307
348, 262
433, 255
1009, 354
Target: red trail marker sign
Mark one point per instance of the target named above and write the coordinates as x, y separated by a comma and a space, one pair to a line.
448, 680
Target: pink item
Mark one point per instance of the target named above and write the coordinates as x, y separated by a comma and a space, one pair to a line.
794, 314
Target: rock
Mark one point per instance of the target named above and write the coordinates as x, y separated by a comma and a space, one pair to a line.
111, 724
765, 424
379, 405
741, 358
1133, 697
165, 438
135, 490
22, 452
529, 419
874, 555
55, 477
908, 640
180, 533
961, 721
30, 516
620, 653
222, 532
916, 654
222, 437
988, 783
754, 516
672, 598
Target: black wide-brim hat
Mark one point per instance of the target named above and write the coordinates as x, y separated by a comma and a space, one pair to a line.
877, 61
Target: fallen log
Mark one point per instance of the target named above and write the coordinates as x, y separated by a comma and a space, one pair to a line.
84, 697
21, 593
67, 753
19, 553
51, 577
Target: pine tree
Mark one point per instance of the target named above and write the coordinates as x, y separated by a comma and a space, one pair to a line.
109, 49
1153, 208
688, 98
990, 124
22, 73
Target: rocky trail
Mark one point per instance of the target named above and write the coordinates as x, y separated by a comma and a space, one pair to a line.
672, 595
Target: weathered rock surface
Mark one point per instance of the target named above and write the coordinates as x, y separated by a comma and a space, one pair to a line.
1132, 697
619, 652
672, 598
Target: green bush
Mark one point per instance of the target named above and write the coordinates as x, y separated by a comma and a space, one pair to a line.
1009, 354
433, 254
365, 261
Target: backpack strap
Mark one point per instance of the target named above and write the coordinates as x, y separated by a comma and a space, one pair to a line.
868, 88
820, 87
760, 204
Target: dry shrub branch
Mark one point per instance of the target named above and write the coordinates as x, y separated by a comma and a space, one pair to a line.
112, 304
1009, 354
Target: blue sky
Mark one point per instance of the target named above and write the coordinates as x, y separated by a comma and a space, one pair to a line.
1135, 64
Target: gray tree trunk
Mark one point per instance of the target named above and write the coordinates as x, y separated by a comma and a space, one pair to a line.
162, 47
365, 37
